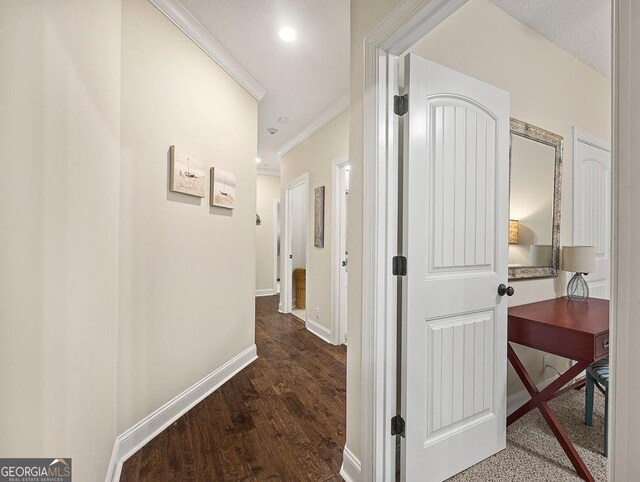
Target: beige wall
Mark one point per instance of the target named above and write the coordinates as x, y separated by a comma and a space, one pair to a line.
315, 156
59, 150
186, 281
268, 189
549, 88
115, 294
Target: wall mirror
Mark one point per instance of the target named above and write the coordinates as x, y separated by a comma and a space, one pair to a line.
535, 157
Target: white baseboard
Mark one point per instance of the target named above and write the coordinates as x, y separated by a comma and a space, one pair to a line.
515, 401
319, 330
265, 292
351, 470
141, 433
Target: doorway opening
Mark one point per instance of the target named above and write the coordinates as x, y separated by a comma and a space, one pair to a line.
384, 47
296, 230
276, 245
340, 258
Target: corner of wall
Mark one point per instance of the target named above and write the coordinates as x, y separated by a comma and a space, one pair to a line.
351, 470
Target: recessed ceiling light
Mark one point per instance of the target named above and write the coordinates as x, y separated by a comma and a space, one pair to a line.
287, 34
283, 120
272, 130
257, 160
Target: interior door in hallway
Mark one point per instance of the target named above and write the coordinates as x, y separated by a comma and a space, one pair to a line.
455, 218
296, 231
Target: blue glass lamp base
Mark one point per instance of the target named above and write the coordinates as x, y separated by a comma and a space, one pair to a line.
577, 288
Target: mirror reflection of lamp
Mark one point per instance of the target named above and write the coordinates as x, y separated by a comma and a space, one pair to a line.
514, 228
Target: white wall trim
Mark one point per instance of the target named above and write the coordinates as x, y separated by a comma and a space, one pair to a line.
265, 292
351, 470
623, 309
323, 119
203, 38
515, 401
319, 330
404, 26
581, 135
336, 256
136, 437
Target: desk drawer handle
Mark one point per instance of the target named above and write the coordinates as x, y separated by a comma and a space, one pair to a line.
605, 343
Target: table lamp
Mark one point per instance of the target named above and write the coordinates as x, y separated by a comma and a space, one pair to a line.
580, 260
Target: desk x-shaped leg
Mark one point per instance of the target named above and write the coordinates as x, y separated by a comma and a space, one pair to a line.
539, 400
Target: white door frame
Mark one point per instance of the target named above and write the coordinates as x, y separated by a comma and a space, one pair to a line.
336, 256
404, 26
286, 295
276, 221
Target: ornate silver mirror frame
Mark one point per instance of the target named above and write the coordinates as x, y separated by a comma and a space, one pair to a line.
536, 134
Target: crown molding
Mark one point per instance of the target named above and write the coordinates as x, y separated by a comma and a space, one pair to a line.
198, 33
323, 119
268, 172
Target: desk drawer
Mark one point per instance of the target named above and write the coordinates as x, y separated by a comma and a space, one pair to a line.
602, 345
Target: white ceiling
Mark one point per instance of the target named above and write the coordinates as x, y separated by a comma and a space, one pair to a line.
303, 78
580, 27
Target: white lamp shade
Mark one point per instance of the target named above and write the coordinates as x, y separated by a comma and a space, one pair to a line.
541, 254
579, 259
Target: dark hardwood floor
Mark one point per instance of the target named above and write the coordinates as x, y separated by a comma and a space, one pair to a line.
281, 418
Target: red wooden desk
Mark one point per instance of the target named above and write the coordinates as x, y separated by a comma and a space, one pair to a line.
578, 330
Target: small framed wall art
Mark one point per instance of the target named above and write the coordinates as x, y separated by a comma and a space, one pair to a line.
318, 218
223, 188
187, 173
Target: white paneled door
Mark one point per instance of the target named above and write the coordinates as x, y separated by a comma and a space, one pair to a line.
592, 206
455, 238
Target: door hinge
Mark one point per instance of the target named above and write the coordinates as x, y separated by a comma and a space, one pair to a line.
397, 425
399, 266
401, 104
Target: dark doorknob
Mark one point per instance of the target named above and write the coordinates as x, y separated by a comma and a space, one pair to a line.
505, 290
290, 256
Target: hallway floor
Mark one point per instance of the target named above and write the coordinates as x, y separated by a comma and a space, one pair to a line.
281, 418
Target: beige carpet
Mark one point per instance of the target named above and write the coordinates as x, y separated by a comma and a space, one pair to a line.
534, 454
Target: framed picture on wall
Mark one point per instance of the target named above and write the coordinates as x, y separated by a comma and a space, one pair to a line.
187, 173
318, 218
223, 188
